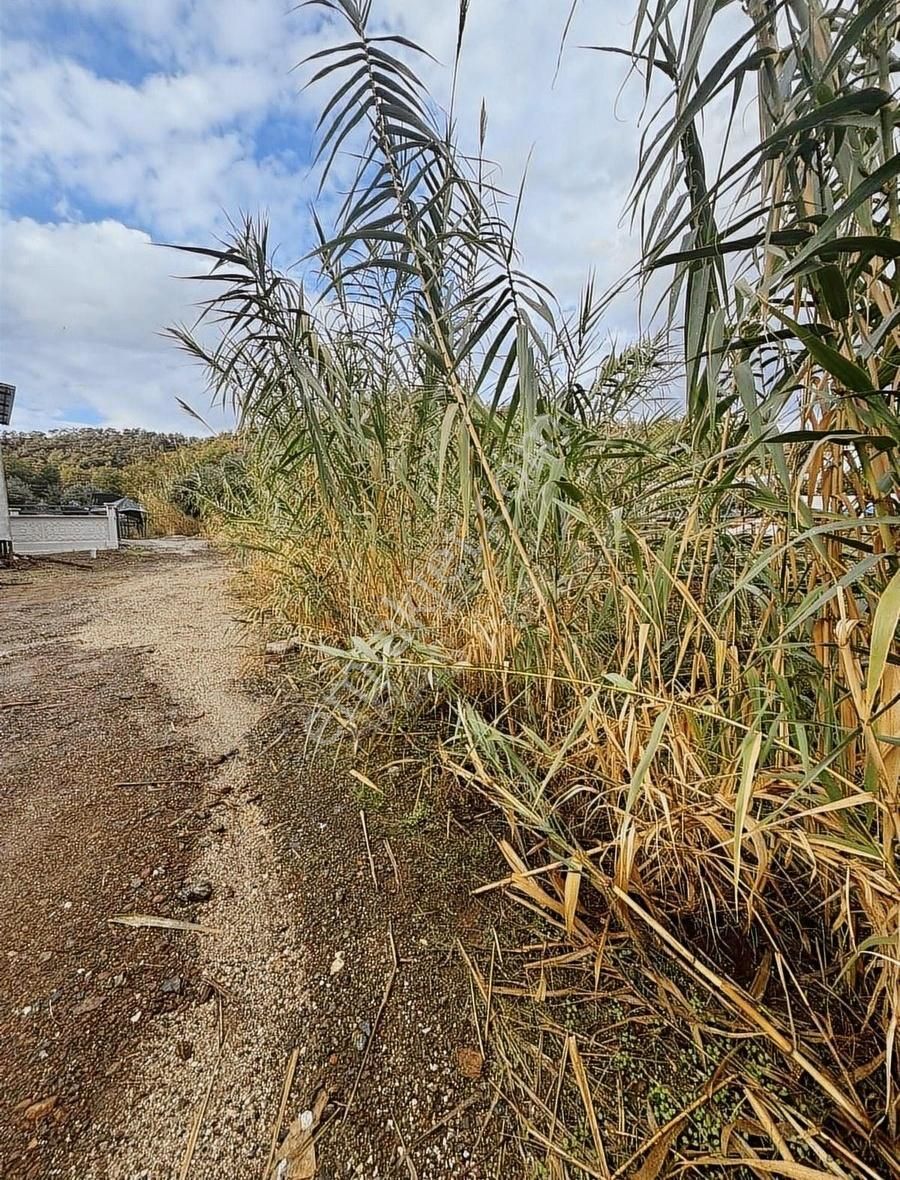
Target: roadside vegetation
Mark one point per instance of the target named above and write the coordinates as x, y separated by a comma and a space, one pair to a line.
179, 480
182, 488
662, 644
72, 466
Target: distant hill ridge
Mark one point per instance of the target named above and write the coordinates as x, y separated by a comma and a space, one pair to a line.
58, 466
89, 446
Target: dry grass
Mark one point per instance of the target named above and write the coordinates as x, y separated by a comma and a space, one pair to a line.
180, 488
665, 650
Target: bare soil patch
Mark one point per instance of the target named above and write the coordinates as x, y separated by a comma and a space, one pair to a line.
75, 849
386, 873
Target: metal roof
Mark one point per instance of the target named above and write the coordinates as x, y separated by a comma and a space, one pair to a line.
7, 397
126, 504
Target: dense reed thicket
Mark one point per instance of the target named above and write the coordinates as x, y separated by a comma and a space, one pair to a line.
663, 644
182, 488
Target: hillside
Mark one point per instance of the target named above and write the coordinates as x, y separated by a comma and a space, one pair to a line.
71, 465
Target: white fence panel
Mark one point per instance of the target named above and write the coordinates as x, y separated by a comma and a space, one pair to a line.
52, 533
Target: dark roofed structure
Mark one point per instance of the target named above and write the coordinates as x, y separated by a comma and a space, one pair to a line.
132, 517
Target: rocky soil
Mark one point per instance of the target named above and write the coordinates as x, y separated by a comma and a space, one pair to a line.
320, 1020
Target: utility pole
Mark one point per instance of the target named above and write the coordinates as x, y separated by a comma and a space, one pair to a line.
7, 397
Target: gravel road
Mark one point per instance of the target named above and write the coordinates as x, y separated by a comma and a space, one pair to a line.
138, 777
121, 1037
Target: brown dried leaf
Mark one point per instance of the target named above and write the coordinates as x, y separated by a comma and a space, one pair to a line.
298, 1151
658, 1154
141, 920
469, 1062
572, 887
38, 1110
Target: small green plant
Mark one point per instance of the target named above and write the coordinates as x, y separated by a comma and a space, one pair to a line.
418, 816
367, 797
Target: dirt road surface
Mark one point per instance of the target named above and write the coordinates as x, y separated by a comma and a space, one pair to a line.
138, 777
122, 791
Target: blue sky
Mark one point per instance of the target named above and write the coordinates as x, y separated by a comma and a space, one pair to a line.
129, 123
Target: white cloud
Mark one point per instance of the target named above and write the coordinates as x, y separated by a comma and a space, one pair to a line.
178, 150
179, 34
60, 108
83, 308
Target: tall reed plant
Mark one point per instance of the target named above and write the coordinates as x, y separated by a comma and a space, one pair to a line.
663, 644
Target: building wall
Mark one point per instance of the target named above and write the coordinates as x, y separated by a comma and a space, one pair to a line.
52, 533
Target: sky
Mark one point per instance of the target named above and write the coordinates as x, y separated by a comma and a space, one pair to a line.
129, 124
